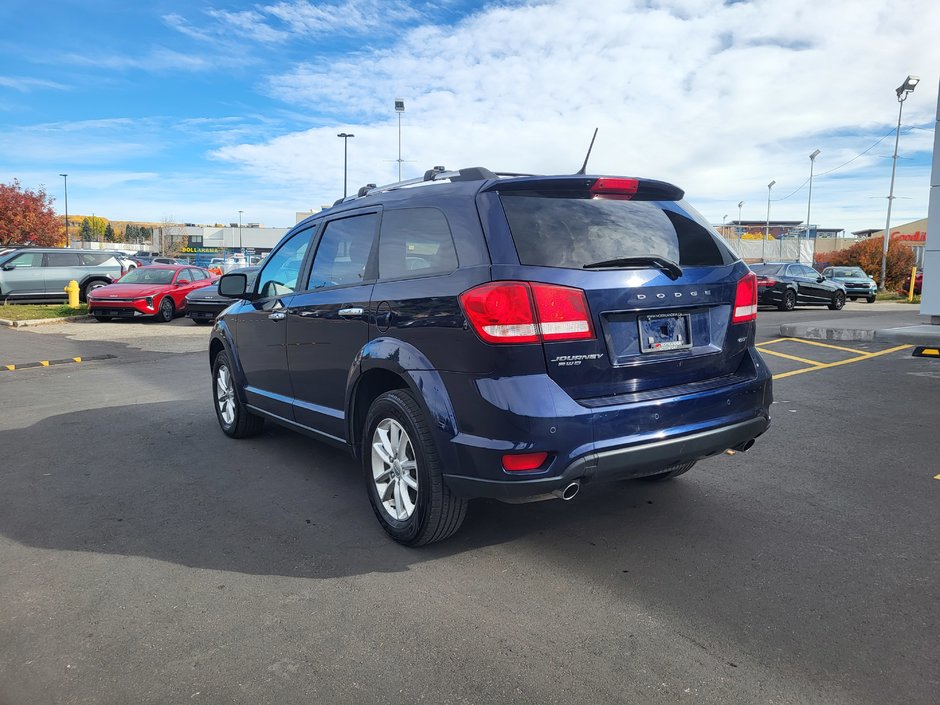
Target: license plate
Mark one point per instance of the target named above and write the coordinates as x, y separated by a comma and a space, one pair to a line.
660, 332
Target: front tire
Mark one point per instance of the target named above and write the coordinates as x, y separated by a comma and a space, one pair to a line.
236, 421
403, 473
870, 299
166, 310
838, 301
789, 301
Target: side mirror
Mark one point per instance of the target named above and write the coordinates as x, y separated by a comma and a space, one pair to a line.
181, 282
8, 267
820, 278
234, 286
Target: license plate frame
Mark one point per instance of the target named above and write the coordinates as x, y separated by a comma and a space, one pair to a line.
664, 332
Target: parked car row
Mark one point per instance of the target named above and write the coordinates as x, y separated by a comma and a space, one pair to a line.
157, 291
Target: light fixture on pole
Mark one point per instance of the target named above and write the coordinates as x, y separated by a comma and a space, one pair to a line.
346, 136
399, 108
809, 202
907, 87
68, 243
241, 249
763, 246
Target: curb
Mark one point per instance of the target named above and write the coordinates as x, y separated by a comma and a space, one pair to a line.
49, 363
41, 321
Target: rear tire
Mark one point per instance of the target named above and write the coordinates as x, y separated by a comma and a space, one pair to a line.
90, 286
670, 472
403, 473
103, 319
789, 301
203, 321
838, 301
236, 421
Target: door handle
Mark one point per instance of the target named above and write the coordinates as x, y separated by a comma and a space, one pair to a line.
351, 312
277, 316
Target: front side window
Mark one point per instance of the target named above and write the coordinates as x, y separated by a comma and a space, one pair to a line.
343, 253
28, 259
415, 242
280, 273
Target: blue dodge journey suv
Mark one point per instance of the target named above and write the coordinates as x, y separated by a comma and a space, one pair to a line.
474, 334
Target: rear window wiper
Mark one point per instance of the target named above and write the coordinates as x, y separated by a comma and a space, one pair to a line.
670, 268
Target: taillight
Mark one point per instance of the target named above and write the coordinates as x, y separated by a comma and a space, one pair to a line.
766, 282
619, 189
522, 462
523, 312
745, 299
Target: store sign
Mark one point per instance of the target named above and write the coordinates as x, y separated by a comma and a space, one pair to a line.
201, 250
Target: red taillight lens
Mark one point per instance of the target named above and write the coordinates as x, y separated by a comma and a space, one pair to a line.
766, 282
745, 299
501, 312
563, 313
521, 462
606, 187
520, 312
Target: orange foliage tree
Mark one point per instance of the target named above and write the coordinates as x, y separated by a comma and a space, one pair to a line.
867, 255
27, 218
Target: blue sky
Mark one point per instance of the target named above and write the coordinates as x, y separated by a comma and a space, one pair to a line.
196, 110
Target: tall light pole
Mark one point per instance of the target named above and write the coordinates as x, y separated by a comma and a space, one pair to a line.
907, 87
399, 108
240, 232
346, 136
763, 246
740, 226
68, 242
724, 233
809, 202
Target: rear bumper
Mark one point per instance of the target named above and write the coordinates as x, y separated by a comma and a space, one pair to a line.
617, 463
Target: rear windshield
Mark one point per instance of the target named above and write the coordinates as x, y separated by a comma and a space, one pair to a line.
571, 232
766, 269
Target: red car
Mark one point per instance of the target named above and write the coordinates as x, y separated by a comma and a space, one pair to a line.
918, 282
156, 290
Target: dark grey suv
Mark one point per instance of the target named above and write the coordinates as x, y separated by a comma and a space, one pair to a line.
504, 336
43, 273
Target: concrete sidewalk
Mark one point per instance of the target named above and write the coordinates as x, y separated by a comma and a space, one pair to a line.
886, 322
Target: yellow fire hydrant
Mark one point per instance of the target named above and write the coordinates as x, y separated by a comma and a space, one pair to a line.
72, 291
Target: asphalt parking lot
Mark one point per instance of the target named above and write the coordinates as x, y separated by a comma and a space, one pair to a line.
147, 558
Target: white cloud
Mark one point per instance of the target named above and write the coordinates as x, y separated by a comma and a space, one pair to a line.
718, 98
26, 84
349, 16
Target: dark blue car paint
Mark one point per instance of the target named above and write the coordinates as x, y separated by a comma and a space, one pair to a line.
485, 400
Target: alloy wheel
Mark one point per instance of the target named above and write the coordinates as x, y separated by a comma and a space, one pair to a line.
394, 469
225, 395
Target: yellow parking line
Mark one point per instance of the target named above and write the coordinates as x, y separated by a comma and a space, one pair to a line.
10, 367
823, 366
791, 357
827, 345
77, 359
775, 340
44, 363
936, 477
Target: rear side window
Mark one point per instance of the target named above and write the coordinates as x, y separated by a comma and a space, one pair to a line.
572, 232
343, 253
62, 259
415, 242
93, 259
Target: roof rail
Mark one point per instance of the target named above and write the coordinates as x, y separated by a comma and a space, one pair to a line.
437, 173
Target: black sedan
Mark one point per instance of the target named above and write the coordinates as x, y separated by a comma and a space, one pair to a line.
788, 284
203, 305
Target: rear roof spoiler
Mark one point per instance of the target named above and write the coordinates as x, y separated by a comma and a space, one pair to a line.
633, 188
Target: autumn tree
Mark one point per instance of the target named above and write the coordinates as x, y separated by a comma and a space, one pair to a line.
109, 233
867, 255
27, 218
85, 231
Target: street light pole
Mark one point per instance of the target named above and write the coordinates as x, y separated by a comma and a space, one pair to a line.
68, 242
399, 108
241, 249
812, 162
345, 136
907, 87
724, 233
763, 247
740, 225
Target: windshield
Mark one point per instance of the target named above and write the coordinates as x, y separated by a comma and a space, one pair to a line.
145, 275
767, 268
849, 272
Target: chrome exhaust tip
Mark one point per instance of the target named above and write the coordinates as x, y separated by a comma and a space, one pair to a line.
743, 447
568, 493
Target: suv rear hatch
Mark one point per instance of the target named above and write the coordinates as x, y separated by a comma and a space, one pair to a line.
660, 286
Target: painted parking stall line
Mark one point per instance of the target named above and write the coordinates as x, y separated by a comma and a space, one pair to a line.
814, 365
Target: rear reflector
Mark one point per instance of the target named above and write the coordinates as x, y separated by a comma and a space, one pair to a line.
523, 312
745, 299
521, 462
607, 187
